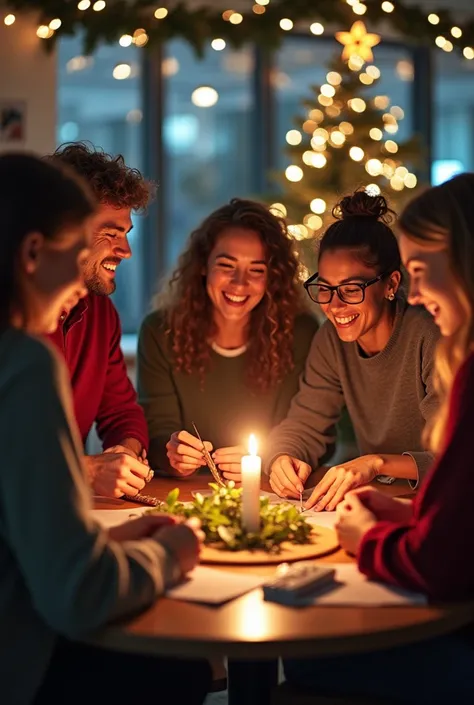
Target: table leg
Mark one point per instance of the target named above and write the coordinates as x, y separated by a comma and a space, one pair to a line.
251, 682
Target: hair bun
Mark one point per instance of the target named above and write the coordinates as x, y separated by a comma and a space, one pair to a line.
360, 204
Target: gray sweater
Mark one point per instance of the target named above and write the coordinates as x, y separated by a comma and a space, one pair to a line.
389, 396
59, 572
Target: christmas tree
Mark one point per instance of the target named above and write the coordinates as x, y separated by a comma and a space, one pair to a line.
345, 140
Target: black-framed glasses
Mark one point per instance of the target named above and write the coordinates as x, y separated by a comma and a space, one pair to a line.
352, 293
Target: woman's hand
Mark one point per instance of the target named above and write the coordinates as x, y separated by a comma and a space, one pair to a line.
228, 461
340, 479
184, 453
353, 521
385, 507
143, 527
288, 476
184, 542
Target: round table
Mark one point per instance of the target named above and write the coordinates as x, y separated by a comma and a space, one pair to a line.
252, 632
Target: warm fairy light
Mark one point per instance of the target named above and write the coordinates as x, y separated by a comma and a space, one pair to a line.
355, 62
204, 96
318, 205
55, 24
381, 102
456, 32
125, 40
433, 19
356, 153
325, 100
141, 40
333, 111
376, 134
440, 41
372, 190
374, 167
388, 7
468, 52
294, 173
314, 222
447, 46
318, 141
391, 128
373, 71
9, 20
410, 180
84, 5
397, 183
227, 14
359, 8
405, 70
278, 209
318, 160
366, 79
258, 9
218, 44
357, 105
397, 112
298, 232
388, 169
401, 171
44, 32
286, 24
236, 18
334, 78
138, 32
327, 90
346, 128
320, 132
316, 28
391, 146
161, 13
316, 114
293, 137
307, 157
337, 138
98, 6
262, 2
122, 71
309, 126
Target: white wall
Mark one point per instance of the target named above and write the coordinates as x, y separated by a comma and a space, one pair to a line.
28, 73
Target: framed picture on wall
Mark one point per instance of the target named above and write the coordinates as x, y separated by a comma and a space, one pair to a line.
12, 120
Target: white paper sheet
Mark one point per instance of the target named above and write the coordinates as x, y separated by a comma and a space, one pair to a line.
356, 590
113, 517
317, 518
214, 587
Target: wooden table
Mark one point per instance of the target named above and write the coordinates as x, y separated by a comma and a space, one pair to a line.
253, 633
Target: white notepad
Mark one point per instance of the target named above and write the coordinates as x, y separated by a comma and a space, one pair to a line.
214, 587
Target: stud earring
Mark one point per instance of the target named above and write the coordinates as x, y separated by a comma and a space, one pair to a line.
391, 296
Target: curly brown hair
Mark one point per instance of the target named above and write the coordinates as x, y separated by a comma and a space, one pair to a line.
109, 178
188, 308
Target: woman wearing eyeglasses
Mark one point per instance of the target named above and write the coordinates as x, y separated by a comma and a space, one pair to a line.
374, 355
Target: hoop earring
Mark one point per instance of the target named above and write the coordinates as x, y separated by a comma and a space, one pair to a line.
391, 296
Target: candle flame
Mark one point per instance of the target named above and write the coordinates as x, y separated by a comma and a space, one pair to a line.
252, 445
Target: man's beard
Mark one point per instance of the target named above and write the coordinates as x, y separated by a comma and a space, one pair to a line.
96, 286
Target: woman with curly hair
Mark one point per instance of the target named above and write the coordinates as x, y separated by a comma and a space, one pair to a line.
374, 355
227, 342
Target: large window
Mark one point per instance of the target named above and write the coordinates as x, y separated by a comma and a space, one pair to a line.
100, 101
207, 132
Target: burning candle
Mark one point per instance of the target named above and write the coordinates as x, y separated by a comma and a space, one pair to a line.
251, 470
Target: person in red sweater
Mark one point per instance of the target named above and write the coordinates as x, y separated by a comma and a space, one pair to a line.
425, 545
89, 331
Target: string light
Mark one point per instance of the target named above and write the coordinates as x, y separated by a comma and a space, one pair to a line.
468, 52
309, 126
397, 183
294, 173
318, 205
440, 41
44, 32
315, 222
9, 20
316, 114
142, 39
98, 6
376, 134
286, 24
55, 24
359, 8
357, 105
337, 138
447, 46
397, 112
388, 7
355, 62
327, 90
161, 13
293, 137
433, 19
258, 9
401, 171
227, 14
218, 44
278, 209
262, 2
316, 28
318, 160
334, 78
236, 18
346, 128
372, 190
373, 71
204, 96
356, 153
381, 102
456, 32
84, 5
325, 100
374, 167
366, 79
125, 40
391, 146
410, 180
122, 71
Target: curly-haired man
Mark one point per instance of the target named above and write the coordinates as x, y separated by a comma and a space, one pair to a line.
89, 332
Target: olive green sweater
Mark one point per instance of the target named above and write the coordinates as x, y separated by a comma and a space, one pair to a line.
225, 410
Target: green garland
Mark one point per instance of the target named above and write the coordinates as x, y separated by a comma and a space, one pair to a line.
198, 27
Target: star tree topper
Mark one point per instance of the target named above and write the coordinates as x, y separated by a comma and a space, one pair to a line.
358, 41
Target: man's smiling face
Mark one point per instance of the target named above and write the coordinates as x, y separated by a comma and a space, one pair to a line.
109, 247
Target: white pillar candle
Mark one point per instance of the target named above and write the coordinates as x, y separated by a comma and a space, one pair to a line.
251, 466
